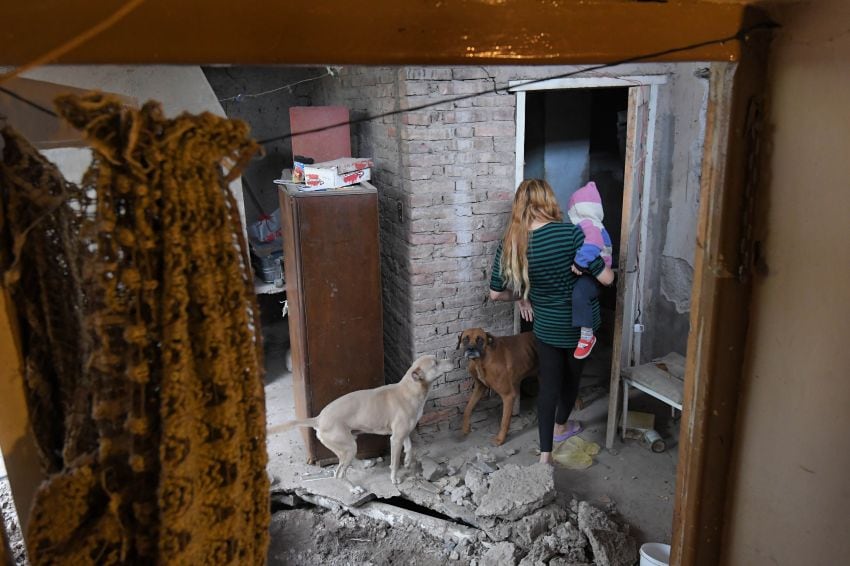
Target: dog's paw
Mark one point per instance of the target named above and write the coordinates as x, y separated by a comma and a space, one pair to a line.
497, 440
394, 479
465, 430
356, 490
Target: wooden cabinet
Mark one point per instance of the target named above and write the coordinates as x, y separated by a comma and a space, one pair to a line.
333, 287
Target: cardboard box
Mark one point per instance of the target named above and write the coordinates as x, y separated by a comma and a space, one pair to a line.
338, 173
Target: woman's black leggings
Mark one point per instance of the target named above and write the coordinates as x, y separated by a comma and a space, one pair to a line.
559, 376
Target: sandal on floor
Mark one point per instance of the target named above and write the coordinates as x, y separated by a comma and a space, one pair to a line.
573, 429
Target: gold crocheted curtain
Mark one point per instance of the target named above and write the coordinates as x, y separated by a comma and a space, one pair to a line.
141, 341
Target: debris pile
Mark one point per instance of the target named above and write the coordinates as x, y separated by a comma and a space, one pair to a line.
491, 514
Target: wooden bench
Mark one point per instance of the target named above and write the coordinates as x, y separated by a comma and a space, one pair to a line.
662, 378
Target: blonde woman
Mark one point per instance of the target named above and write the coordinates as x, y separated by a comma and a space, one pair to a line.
533, 265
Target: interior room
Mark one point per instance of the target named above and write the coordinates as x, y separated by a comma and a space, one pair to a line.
249, 313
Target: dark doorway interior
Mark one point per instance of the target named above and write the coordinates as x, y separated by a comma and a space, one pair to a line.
573, 136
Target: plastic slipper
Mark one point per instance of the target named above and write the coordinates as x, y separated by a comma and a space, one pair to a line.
574, 429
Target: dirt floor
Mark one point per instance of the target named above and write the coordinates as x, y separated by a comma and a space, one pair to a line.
633, 483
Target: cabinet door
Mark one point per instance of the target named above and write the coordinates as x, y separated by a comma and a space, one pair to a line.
341, 320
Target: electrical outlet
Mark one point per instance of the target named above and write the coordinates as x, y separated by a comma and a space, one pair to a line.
639, 328
400, 209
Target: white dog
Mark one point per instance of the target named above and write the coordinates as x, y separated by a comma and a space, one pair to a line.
392, 409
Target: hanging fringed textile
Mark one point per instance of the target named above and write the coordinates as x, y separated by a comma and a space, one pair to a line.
168, 463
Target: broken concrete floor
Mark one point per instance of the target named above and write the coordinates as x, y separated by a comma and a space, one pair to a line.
633, 483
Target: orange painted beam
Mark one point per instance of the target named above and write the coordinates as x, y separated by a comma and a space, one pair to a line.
376, 32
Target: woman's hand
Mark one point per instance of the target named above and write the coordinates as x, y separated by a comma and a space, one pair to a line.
606, 277
525, 310
576, 270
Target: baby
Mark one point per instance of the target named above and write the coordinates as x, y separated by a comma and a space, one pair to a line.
585, 211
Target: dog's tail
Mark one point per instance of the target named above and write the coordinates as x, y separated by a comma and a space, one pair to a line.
289, 425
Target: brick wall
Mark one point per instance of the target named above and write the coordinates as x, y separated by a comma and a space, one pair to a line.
368, 91
450, 170
445, 178
459, 185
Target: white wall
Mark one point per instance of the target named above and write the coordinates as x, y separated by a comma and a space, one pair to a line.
790, 501
177, 88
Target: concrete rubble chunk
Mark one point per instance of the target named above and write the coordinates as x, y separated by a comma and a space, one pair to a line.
569, 541
446, 484
484, 467
561, 561
477, 483
457, 462
516, 491
527, 529
431, 469
500, 554
540, 554
611, 544
485, 455
459, 493
565, 545
497, 531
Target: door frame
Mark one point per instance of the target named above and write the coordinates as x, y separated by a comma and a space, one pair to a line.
630, 282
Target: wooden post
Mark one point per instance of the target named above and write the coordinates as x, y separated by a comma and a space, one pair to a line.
719, 308
629, 234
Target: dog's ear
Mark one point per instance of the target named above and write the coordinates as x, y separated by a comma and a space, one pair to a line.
418, 374
459, 338
490, 339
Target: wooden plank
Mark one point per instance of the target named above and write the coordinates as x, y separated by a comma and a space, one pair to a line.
635, 143
719, 311
650, 377
380, 32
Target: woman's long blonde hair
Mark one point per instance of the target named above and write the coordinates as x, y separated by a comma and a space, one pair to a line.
534, 200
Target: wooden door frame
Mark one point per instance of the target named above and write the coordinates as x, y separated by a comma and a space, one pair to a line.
573, 33
630, 282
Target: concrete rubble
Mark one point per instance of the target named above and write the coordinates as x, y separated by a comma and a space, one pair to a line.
515, 492
477, 483
611, 544
509, 516
431, 469
498, 555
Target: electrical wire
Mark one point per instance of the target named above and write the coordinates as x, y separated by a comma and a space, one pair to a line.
740, 35
240, 97
25, 100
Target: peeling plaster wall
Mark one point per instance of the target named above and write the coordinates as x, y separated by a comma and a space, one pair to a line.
674, 207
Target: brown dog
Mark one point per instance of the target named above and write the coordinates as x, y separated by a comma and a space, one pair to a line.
499, 363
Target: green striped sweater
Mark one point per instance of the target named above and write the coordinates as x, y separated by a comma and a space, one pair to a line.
551, 250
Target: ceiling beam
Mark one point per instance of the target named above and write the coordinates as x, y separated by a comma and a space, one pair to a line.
442, 32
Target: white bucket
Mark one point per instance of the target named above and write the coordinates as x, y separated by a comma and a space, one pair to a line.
654, 554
